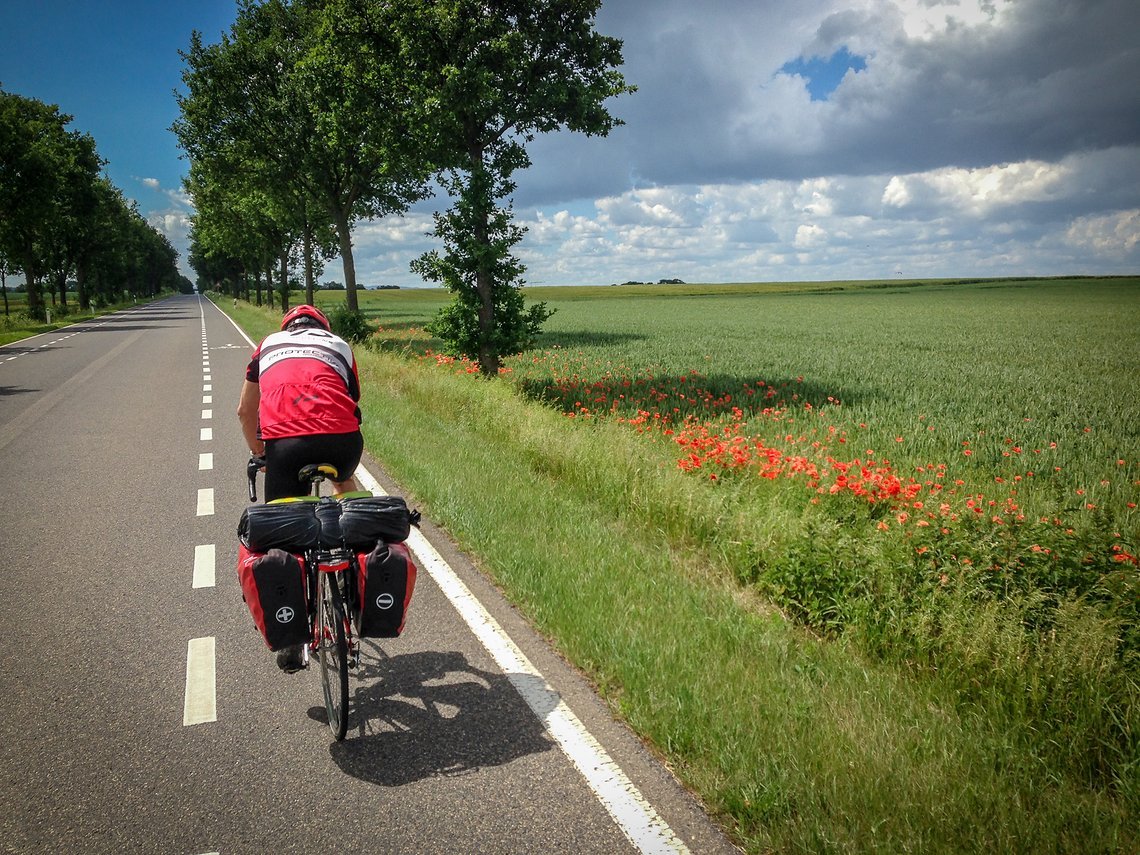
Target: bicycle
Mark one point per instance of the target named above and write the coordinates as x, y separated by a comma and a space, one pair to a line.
330, 584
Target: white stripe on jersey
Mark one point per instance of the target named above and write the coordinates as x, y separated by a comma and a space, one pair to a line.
306, 343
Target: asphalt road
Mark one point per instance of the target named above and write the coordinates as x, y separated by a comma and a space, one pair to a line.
141, 712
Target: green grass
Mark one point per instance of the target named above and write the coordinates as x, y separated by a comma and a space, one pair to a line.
809, 674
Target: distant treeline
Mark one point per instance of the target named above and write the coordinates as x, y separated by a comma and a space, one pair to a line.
61, 217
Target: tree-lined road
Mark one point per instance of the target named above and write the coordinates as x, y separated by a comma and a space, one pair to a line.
126, 481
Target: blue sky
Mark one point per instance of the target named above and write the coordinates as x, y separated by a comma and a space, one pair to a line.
113, 65
823, 75
769, 139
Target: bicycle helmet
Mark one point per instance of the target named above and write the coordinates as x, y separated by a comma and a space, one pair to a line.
307, 315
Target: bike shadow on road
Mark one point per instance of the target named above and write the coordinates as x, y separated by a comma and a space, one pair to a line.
420, 715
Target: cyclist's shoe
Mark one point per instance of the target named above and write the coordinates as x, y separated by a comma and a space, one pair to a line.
291, 659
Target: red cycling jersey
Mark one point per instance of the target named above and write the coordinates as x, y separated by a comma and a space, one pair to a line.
309, 384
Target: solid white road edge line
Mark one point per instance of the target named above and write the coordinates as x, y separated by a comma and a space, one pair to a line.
201, 699
637, 819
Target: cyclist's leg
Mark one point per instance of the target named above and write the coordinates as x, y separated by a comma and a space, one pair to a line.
283, 460
343, 451
345, 456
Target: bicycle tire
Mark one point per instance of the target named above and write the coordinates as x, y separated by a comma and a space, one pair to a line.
332, 654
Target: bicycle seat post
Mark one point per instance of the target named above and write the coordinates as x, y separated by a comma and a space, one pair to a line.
315, 473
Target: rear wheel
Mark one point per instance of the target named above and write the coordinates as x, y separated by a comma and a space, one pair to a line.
332, 654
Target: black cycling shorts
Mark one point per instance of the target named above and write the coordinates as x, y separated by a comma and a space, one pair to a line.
285, 457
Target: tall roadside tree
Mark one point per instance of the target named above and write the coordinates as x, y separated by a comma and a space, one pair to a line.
43, 166
93, 233
301, 109
492, 74
74, 220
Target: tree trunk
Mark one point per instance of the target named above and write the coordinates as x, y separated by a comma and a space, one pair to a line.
284, 281
345, 234
4, 288
61, 285
478, 187
81, 285
488, 355
308, 239
31, 278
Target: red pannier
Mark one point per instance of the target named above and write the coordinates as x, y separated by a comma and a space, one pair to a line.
273, 587
386, 581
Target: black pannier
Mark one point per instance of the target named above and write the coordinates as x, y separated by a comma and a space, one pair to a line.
292, 526
366, 521
386, 581
273, 587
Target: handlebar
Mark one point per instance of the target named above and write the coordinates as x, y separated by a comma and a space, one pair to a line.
254, 465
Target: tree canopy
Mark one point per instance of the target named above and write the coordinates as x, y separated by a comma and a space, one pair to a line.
497, 74
303, 130
324, 112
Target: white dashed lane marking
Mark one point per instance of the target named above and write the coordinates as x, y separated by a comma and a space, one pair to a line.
201, 703
54, 341
204, 566
206, 502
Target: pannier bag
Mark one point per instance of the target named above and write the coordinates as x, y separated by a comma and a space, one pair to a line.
386, 581
292, 526
365, 521
273, 587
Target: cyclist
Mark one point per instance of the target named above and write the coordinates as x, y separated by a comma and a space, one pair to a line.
299, 405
